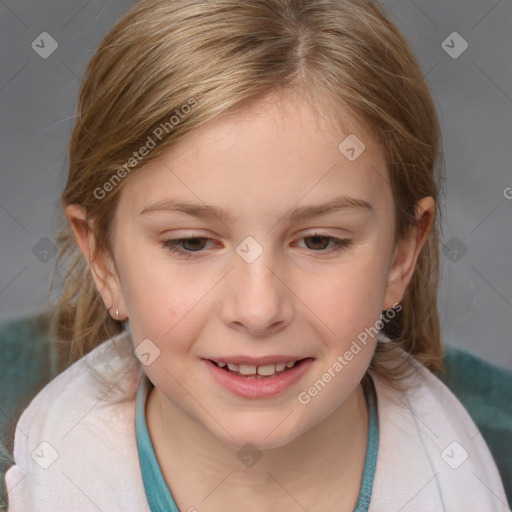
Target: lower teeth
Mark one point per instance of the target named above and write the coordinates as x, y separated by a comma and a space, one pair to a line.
255, 376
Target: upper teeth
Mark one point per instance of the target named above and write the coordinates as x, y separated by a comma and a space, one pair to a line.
251, 369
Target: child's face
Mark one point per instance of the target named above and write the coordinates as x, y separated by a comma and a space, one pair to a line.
263, 285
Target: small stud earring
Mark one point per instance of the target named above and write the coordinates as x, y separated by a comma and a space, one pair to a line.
117, 313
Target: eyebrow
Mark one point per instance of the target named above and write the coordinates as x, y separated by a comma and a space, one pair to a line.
340, 203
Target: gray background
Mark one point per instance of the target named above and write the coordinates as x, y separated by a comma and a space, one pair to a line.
473, 94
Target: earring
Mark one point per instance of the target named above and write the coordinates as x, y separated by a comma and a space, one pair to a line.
117, 313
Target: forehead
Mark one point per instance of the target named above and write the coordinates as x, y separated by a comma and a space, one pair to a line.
271, 154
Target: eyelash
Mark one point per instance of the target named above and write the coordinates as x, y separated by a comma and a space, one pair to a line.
172, 244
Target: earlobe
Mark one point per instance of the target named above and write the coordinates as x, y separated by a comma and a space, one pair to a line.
100, 264
406, 253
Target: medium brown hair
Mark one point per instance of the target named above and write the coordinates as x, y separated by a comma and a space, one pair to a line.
225, 54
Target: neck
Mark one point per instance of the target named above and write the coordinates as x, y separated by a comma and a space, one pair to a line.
194, 462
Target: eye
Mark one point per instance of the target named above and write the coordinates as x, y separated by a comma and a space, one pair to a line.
196, 242
186, 247
320, 243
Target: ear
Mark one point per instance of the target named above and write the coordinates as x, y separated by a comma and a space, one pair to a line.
406, 253
102, 268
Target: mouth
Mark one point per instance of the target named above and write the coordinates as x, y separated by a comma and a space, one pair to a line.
258, 381
265, 371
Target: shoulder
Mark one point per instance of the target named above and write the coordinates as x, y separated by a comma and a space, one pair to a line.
76, 435
431, 446
105, 376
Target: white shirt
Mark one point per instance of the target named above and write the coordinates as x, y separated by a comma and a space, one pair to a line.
74, 450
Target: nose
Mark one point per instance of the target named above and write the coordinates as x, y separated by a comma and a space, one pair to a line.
258, 301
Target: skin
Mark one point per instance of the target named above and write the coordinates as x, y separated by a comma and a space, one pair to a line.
298, 297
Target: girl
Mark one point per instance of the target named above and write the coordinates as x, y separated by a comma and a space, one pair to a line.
250, 303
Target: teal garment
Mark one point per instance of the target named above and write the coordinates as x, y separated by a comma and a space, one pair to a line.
365, 493
158, 494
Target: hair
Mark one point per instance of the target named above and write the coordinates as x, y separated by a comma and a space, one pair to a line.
219, 56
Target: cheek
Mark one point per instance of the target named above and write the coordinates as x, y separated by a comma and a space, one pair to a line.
349, 297
161, 301
150, 282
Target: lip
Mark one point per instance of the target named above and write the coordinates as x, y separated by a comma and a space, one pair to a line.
247, 387
256, 361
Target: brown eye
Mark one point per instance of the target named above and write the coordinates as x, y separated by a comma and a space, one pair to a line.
320, 243
186, 246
